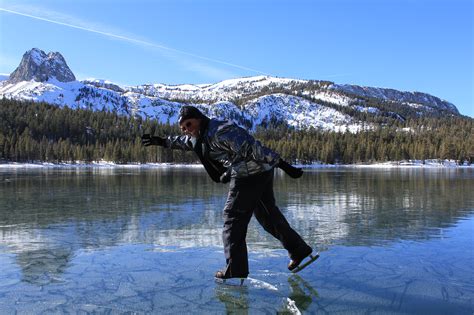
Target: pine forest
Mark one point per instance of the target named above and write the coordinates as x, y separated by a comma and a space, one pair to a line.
39, 132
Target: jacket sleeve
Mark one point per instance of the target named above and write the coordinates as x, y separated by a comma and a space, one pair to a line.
241, 146
180, 142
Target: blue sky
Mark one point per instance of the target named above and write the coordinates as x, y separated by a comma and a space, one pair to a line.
409, 45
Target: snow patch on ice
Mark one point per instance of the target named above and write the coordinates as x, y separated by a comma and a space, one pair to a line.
292, 307
96, 164
260, 284
432, 163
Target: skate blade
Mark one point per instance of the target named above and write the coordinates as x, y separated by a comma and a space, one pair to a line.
312, 258
233, 282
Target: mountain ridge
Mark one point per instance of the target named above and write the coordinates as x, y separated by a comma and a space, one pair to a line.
250, 101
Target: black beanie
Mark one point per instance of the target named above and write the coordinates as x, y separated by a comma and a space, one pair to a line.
188, 112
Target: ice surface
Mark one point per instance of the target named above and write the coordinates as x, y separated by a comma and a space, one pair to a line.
147, 241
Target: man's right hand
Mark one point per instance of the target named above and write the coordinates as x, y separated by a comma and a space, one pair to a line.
226, 176
294, 172
148, 140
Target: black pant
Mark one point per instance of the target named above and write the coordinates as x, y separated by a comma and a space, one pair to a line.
247, 196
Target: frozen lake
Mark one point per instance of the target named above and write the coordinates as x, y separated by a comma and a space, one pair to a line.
95, 240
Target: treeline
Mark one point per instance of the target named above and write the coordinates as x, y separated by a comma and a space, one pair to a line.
422, 139
40, 132
32, 131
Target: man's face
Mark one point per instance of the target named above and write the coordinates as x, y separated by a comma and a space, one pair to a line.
190, 127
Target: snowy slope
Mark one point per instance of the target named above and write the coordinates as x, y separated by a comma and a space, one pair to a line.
303, 109
299, 113
73, 94
252, 101
223, 91
343, 95
286, 109
414, 98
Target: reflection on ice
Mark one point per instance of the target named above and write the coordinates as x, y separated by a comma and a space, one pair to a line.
44, 266
180, 207
139, 240
409, 278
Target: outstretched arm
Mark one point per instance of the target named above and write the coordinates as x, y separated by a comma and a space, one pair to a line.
148, 140
290, 170
178, 142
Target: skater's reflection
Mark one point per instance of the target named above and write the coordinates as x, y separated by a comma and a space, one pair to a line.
301, 296
301, 292
44, 266
235, 299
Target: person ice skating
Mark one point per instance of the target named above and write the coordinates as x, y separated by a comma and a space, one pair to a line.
230, 154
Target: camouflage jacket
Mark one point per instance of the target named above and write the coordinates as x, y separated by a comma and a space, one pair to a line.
222, 146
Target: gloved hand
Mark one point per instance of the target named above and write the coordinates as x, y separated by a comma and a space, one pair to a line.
148, 140
225, 178
290, 170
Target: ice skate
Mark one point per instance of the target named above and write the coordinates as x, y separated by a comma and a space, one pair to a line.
298, 265
221, 278
306, 254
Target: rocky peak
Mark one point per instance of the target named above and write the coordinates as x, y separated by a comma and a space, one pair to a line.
38, 66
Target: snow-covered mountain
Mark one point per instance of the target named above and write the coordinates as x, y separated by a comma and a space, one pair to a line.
251, 102
38, 66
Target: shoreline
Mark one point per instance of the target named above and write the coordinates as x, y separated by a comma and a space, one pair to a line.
104, 164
